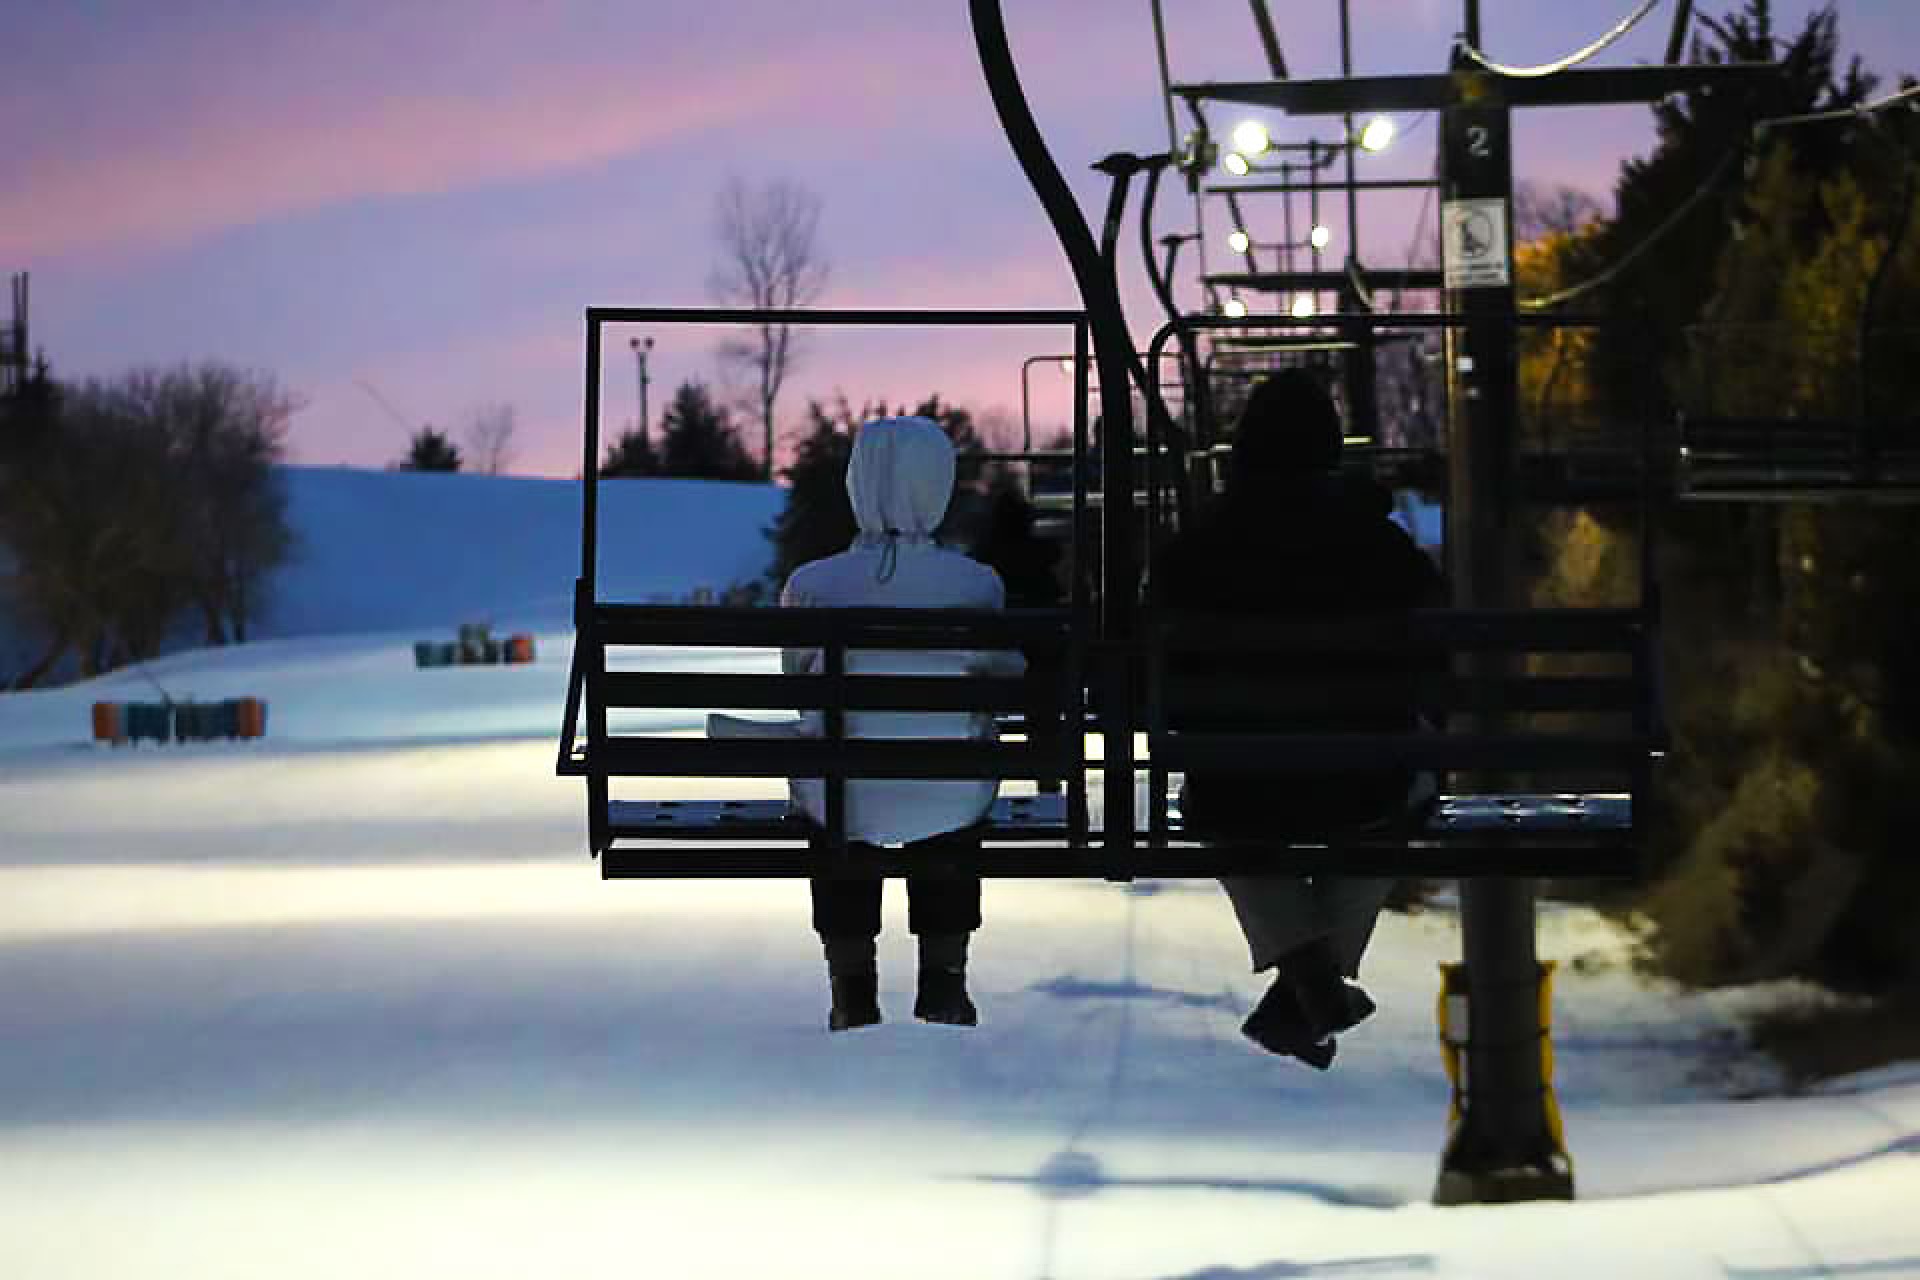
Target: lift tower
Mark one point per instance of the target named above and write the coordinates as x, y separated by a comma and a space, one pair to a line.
1503, 1149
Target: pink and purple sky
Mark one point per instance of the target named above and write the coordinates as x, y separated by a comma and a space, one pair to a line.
422, 197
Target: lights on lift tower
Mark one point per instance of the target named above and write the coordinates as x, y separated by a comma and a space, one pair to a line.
1234, 309
1302, 307
1377, 135
1250, 138
1240, 242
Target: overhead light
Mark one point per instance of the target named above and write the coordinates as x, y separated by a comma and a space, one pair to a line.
1238, 241
1236, 164
1250, 138
1066, 364
1320, 237
1235, 309
1302, 307
1377, 134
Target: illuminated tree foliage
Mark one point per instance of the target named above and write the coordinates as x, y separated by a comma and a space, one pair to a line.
1794, 677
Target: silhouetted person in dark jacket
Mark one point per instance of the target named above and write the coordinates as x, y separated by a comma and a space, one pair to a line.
1293, 539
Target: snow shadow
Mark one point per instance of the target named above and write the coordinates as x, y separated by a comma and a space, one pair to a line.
1067, 987
1076, 1175
1907, 1266
636, 1019
1385, 1265
309, 842
1905, 1145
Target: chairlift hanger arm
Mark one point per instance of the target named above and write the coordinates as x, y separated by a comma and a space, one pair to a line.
1677, 36
1163, 291
1269, 39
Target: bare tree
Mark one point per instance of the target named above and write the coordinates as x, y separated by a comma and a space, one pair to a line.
227, 432
155, 496
1539, 209
770, 258
490, 438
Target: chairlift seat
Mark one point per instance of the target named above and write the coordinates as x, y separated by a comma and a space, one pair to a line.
1486, 831
1796, 459
1498, 715
766, 836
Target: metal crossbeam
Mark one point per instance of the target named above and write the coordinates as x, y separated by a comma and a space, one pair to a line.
723, 626
1328, 188
1567, 835
1431, 91
1536, 858
924, 758
1328, 281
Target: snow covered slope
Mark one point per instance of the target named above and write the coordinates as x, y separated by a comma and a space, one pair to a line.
423, 552
380, 550
352, 1001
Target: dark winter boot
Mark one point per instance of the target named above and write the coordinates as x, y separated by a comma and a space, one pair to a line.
1328, 1002
1278, 1026
943, 981
852, 969
856, 1001
943, 998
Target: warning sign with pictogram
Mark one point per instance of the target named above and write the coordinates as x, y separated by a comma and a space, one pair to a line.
1473, 243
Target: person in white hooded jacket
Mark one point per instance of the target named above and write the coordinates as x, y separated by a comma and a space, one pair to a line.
900, 480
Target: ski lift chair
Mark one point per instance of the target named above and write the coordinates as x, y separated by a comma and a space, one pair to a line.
1796, 459
1040, 714
1544, 764
1548, 773
1037, 714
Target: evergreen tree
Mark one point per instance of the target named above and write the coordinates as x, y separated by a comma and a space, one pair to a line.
818, 518
956, 421
698, 439
431, 450
1703, 137
28, 415
630, 455
1793, 682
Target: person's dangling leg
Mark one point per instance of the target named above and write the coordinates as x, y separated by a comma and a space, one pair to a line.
846, 915
1289, 928
942, 912
1351, 905
1343, 912
1276, 914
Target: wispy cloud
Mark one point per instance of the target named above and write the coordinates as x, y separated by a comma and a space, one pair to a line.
228, 159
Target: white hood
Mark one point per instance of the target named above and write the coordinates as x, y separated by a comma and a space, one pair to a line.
900, 478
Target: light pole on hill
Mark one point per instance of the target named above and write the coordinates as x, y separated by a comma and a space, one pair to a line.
641, 346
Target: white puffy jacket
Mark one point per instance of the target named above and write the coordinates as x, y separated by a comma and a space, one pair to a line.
900, 478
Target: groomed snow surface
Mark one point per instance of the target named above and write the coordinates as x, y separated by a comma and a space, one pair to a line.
352, 1001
